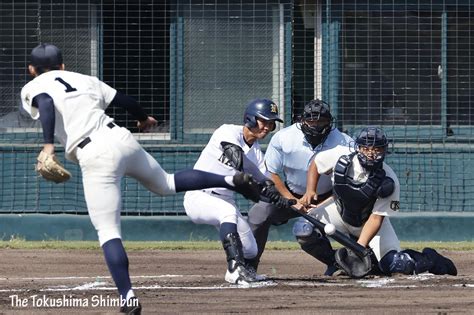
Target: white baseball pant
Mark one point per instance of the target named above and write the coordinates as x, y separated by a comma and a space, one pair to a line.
111, 154
206, 208
384, 241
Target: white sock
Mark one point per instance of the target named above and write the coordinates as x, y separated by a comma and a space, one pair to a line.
130, 294
229, 180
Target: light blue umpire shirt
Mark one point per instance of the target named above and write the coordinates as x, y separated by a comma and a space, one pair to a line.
289, 154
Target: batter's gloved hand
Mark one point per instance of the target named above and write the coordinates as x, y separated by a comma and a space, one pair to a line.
248, 187
270, 194
354, 265
51, 169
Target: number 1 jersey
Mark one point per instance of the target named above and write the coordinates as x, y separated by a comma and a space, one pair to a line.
79, 101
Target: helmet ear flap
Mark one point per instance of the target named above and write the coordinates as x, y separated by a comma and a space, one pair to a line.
264, 109
250, 121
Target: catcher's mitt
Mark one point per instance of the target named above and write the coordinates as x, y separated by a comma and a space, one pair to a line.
51, 169
354, 265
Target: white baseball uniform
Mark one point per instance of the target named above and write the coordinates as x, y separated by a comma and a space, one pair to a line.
112, 152
327, 212
215, 206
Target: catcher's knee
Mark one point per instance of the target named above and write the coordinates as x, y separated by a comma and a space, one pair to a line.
397, 262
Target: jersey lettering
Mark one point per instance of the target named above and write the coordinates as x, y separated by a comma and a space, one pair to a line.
224, 160
69, 88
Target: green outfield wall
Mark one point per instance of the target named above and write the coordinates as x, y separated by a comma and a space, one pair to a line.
38, 227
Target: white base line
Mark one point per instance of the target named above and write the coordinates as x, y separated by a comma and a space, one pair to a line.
99, 277
100, 285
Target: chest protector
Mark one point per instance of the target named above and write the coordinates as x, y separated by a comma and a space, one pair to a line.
356, 200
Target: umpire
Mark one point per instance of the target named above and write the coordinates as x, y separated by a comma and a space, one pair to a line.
287, 158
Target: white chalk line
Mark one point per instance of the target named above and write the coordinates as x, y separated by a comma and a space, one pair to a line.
95, 277
101, 285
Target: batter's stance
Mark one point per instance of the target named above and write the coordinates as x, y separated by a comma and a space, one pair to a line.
233, 148
71, 107
287, 158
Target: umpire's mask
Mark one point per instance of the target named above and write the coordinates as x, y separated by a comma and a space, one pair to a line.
316, 122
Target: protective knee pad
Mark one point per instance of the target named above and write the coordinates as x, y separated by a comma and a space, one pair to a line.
397, 262
318, 246
302, 228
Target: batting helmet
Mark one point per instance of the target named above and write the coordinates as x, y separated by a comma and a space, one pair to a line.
313, 112
260, 108
371, 147
46, 56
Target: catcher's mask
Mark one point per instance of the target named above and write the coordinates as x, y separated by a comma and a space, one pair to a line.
262, 108
46, 56
371, 147
316, 121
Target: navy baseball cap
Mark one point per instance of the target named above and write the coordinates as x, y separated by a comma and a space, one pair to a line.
46, 56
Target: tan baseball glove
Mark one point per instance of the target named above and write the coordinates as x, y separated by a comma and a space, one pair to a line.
51, 169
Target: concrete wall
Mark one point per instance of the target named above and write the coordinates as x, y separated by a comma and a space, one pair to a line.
409, 227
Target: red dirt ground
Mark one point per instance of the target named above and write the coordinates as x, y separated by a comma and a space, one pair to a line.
172, 282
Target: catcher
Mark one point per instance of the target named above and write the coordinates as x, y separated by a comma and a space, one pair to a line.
366, 192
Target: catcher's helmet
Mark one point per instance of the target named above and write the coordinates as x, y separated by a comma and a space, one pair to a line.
371, 138
314, 132
260, 108
46, 56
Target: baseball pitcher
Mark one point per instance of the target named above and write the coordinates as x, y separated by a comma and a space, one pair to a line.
71, 108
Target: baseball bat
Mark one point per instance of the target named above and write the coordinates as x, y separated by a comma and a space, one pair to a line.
337, 236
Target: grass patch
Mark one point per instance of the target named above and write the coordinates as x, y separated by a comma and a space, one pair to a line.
202, 245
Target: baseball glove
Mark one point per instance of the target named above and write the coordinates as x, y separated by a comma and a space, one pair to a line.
354, 265
51, 169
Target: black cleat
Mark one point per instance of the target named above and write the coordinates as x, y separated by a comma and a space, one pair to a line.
239, 274
441, 264
131, 307
247, 186
334, 271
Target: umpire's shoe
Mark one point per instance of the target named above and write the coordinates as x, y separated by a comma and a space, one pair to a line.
131, 307
247, 186
441, 264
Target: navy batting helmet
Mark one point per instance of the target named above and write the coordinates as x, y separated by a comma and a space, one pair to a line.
260, 108
46, 56
371, 146
316, 121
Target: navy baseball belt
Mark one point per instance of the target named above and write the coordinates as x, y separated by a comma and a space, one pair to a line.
88, 140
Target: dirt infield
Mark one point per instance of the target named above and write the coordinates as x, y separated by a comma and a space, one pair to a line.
171, 282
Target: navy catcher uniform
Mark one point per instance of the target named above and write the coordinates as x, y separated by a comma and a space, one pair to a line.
233, 148
366, 194
71, 108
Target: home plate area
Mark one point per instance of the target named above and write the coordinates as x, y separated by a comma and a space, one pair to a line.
187, 281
